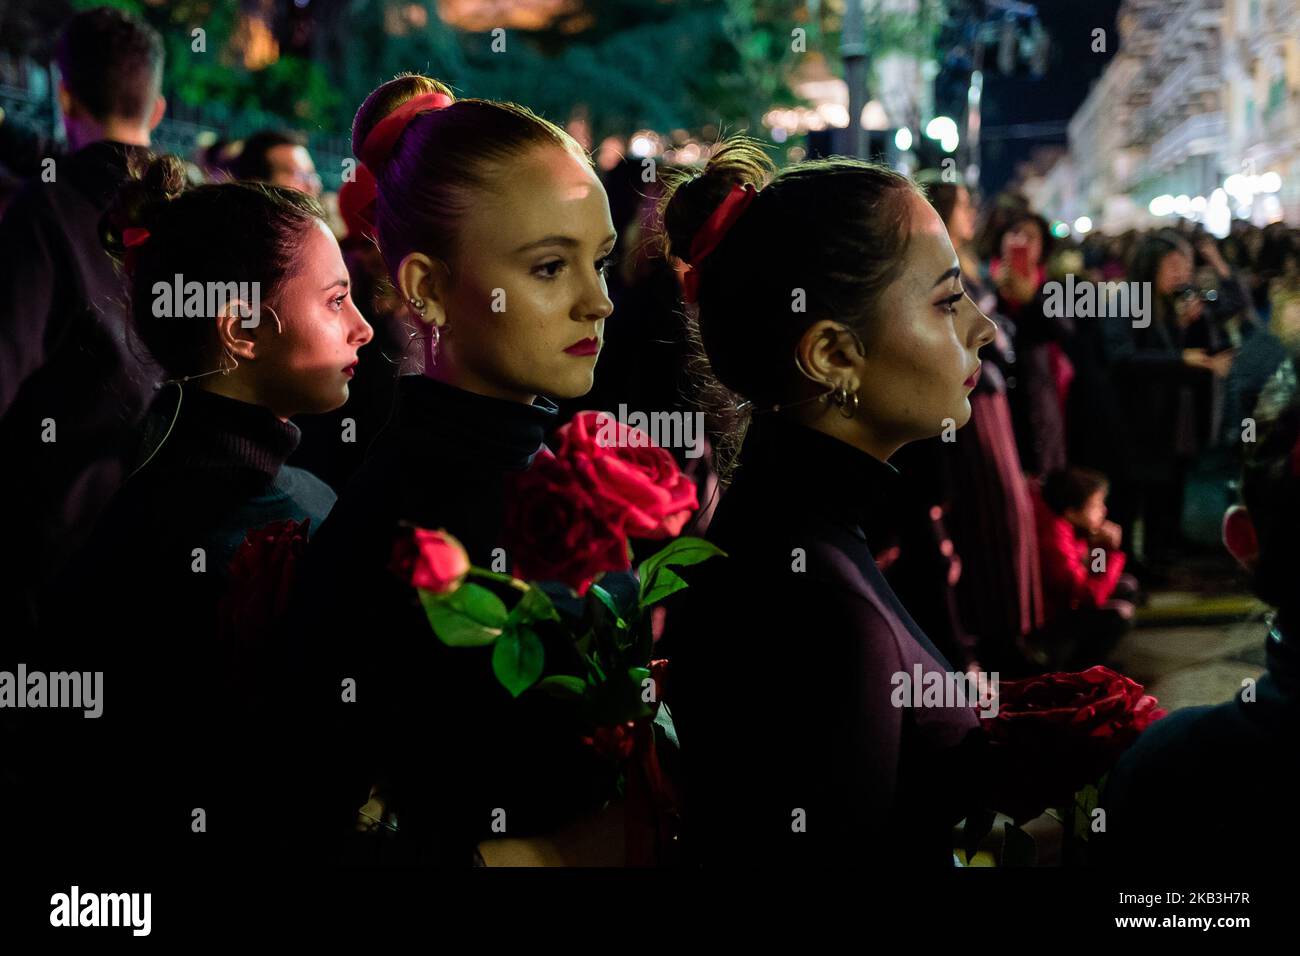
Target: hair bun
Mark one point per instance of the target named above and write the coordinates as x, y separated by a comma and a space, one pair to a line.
693, 197
389, 97
153, 181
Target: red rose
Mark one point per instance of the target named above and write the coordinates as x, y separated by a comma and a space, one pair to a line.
616, 742
257, 592
430, 560
556, 532
1063, 731
637, 484
659, 674
261, 573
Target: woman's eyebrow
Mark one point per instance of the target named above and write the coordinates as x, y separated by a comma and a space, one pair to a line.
952, 273
343, 282
558, 240
548, 241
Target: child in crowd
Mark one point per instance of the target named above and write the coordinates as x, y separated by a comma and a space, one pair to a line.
1088, 597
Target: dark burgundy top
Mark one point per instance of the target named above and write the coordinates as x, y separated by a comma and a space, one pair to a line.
782, 674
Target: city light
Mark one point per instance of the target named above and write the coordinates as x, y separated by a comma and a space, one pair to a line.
943, 129
643, 144
903, 139
1083, 225
1162, 205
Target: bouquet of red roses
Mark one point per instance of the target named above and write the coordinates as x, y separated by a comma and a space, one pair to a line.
1054, 737
568, 523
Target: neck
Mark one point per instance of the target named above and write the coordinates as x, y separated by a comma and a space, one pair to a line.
234, 386
83, 133
852, 431
446, 373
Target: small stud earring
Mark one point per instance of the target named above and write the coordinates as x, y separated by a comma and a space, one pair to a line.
417, 305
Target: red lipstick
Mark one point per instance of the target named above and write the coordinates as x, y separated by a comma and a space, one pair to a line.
974, 376
586, 347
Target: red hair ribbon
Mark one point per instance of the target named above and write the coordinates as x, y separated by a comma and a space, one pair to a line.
711, 233
380, 140
357, 205
133, 237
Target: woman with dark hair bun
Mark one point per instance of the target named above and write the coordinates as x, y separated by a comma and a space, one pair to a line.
239, 293
497, 234
831, 308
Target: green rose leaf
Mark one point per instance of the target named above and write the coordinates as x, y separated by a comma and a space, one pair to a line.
534, 606
667, 581
517, 660
605, 598
563, 685
657, 581
470, 616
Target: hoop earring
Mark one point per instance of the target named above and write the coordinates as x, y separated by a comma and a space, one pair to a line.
432, 339
844, 398
279, 328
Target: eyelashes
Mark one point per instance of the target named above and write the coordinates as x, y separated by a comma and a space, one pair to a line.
551, 270
949, 304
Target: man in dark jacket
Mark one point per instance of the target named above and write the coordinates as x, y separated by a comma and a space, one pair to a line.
73, 385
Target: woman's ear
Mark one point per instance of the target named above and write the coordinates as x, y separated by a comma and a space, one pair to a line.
426, 281
1239, 536
237, 326
828, 354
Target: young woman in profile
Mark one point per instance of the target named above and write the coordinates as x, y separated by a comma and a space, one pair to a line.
497, 233
143, 598
830, 301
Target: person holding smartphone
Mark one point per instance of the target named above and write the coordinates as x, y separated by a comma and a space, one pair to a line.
1037, 371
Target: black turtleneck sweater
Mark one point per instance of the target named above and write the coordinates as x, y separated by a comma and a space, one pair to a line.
430, 724
210, 469
176, 732
1207, 787
783, 658
73, 388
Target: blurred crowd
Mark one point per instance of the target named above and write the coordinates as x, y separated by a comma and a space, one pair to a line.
1100, 451
1103, 448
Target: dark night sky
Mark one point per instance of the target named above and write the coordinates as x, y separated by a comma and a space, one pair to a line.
1072, 68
